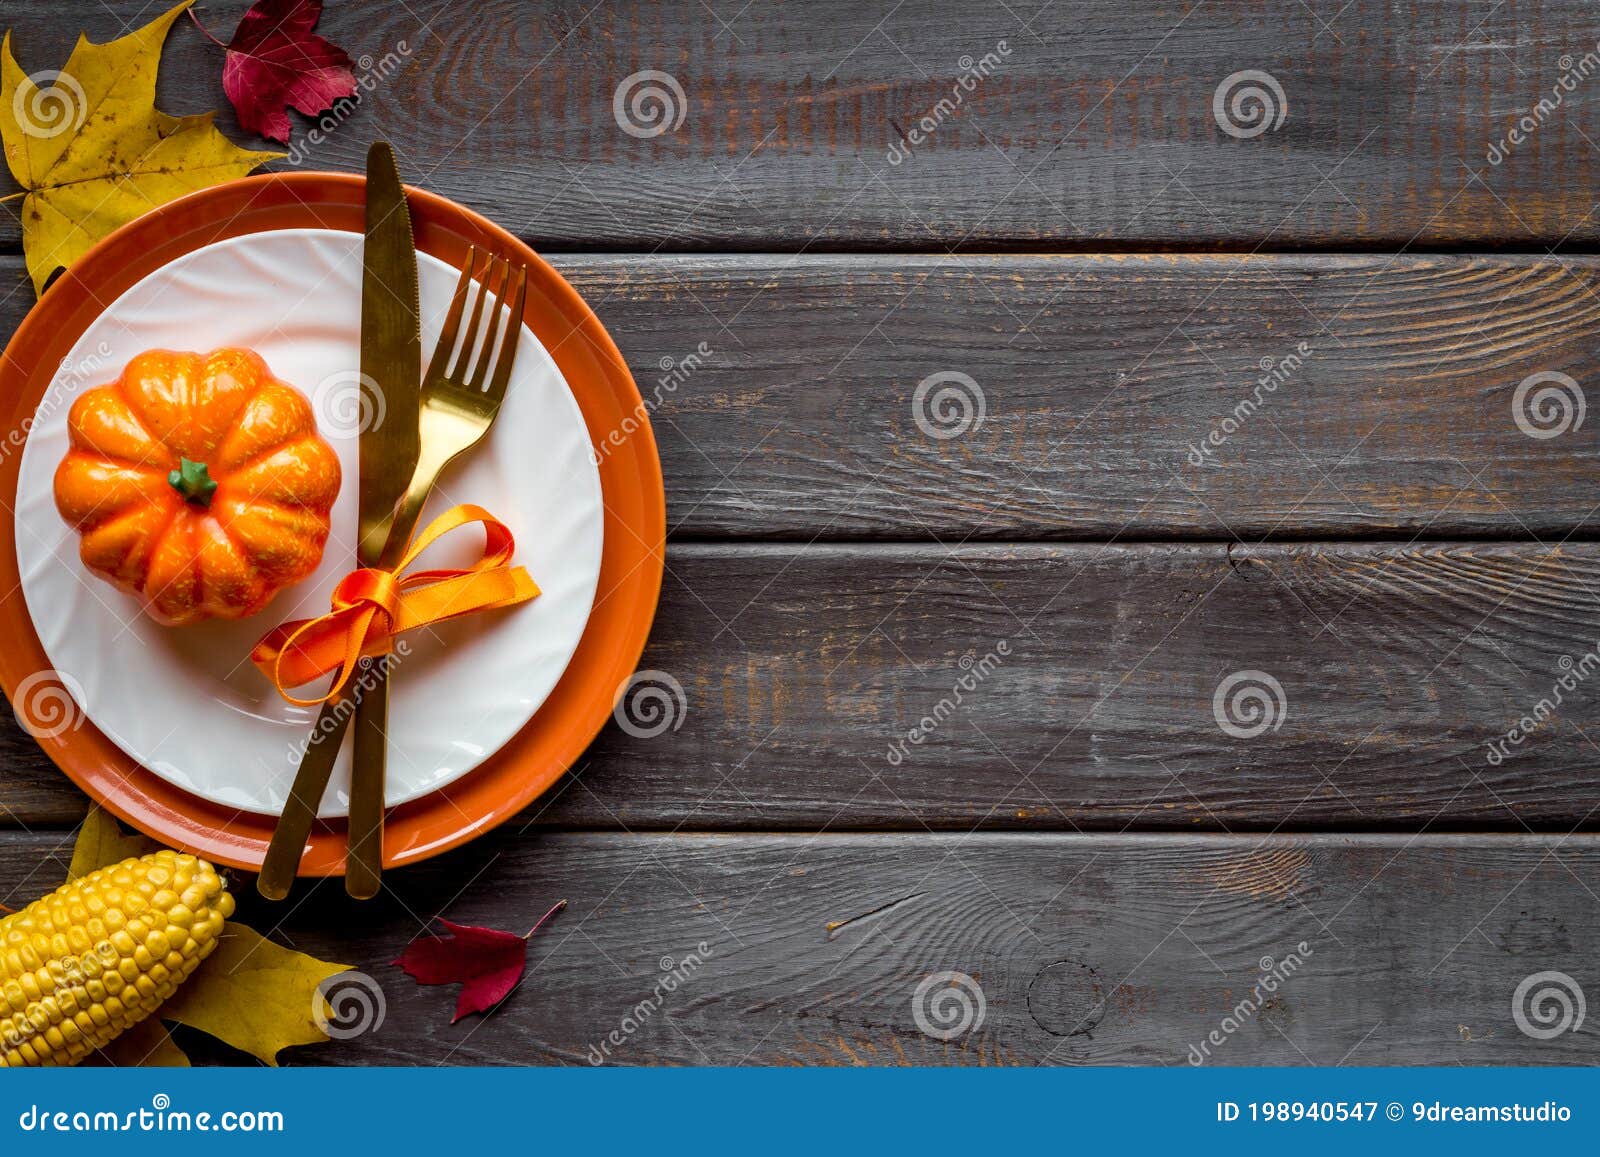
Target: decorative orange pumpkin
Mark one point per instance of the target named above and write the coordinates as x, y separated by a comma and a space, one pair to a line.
199, 483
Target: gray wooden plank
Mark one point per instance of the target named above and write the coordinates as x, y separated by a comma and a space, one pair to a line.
1087, 949
1161, 396
1096, 122
1074, 686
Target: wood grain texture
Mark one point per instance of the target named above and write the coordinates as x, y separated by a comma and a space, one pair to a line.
1160, 396
1142, 397
1096, 125
1073, 686
898, 741
1087, 949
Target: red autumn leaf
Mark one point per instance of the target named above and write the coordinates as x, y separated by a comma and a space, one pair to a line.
276, 62
486, 962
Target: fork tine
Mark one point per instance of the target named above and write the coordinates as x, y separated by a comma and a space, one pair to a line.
469, 340
480, 364
439, 362
508, 339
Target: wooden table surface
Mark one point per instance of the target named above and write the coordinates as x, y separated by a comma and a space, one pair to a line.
1091, 249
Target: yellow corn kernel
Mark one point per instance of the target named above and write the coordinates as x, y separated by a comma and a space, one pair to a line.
98, 955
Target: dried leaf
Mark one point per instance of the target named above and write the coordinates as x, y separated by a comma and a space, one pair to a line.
91, 151
249, 993
101, 842
256, 996
147, 1045
275, 62
486, 962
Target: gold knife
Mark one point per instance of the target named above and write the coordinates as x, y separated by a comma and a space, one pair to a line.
391, 358
391, 373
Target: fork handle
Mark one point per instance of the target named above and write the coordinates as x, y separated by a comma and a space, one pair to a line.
363, 872
282, 862
394, 532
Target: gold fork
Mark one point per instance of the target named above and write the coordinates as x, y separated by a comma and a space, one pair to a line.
458, 406
460, 398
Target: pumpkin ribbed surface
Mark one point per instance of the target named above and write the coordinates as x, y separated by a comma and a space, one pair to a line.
198, 482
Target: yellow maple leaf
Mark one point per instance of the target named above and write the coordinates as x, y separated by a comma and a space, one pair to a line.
249, 993
101, 842
256, 996
91, 151
147, 1045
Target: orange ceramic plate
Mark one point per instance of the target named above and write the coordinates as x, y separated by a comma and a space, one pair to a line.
630, 479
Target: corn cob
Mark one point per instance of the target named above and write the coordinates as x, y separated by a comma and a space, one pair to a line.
99, 954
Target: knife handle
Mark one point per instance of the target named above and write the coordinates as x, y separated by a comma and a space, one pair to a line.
363, 869
282, 861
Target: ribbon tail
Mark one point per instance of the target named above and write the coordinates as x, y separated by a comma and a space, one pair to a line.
372, 606
302, 651
464, 594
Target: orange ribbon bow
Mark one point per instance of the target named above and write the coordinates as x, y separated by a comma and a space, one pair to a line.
372, 606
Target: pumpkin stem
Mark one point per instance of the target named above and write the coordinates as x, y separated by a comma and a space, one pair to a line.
194, 482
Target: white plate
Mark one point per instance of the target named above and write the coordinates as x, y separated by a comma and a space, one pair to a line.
186, 702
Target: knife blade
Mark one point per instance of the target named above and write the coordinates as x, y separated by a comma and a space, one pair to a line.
391, 363
391, 351
390, 381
